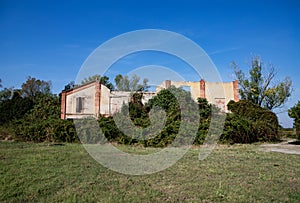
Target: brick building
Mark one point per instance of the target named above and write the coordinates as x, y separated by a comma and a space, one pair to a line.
94, 99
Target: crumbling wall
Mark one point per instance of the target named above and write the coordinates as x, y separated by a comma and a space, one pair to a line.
88, 95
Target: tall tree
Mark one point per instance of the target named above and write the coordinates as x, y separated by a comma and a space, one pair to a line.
294, 113
6, 94
91, 79
260, 87
13, 106
103, 80
33, 87
124, 83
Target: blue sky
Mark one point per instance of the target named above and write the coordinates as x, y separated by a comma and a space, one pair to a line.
50, 40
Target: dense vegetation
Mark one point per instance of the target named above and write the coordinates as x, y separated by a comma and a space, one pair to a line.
249, 123
294, 113
33, 114
166, 100
42, 123
260, 87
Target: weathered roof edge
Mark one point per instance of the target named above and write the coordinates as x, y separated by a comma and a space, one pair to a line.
82, 86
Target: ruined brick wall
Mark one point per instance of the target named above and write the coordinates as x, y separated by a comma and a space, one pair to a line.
218, 93
88, 95
97, 99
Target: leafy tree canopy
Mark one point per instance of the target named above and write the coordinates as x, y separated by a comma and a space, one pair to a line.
33, 88
6, 94
124, 83
69, 86
260, 86
103, 80
14, 106
46, 107
294, 113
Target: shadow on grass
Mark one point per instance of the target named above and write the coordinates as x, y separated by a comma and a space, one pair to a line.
297, 142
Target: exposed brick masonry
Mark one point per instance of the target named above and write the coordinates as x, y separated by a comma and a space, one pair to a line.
236, 90
63, 105
168, 84
202, 88
97, 98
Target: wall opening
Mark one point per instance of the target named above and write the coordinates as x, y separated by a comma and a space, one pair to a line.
79, 104
220, 103
186, 88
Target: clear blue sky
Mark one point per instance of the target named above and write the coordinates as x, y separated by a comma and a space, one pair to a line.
50, 40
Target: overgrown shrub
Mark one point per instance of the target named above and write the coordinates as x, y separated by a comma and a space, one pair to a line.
42, 123
249, 123
294, 113
252, 111
167, 99
49, 130
14, 108
205, 111
112, 132
144, 128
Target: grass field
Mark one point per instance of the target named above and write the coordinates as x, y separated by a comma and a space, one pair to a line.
238, 173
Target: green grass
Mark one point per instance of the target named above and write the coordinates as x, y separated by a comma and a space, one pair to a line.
239, 173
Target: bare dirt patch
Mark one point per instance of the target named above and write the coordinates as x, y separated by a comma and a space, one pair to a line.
288, 146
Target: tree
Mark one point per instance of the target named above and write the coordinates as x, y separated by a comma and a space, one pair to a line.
45, 107
42, 122
103, 80
69, 86
124, 83
6, 94
294, 113
14, 107
137, 110
33, 88
177, 121
91, 79
260, 86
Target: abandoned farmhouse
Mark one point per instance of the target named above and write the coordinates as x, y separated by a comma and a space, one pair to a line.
94, 99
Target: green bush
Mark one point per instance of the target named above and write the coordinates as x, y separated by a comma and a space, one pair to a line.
88, 131
14, 108
167, 100
205, 111
42, 123
139, 115
111, 131
48, 130
249, 123
294, 113
252, 111
297, 124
